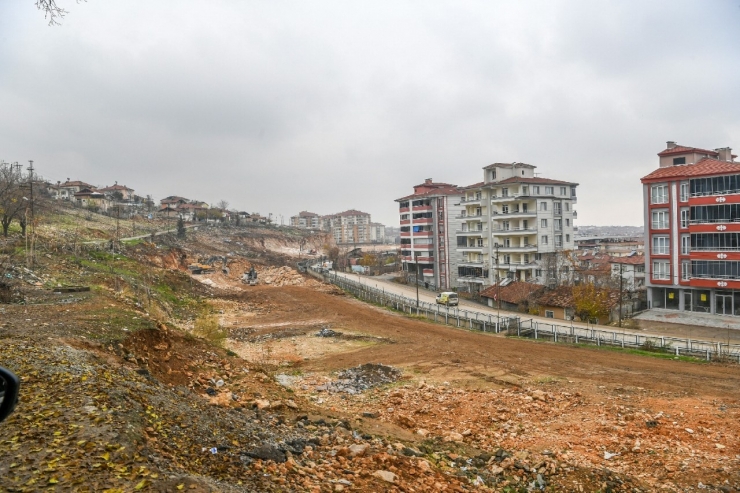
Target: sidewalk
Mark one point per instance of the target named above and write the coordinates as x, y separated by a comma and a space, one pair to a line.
690, 318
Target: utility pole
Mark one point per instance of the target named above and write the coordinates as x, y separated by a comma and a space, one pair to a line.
33, 231
620, 293
498, 288
416, 278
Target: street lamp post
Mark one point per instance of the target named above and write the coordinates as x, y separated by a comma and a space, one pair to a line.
416, 279
498, 289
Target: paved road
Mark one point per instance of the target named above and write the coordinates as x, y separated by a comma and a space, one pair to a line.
680, 331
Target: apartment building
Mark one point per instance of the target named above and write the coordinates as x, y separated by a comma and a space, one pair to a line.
347, 227
377, 233
514, 225
429, 219
692, 230
306, 220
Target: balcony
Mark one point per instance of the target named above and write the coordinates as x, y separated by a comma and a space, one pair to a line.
498, 216
511, 198
473, 279
426, 247
417, 208
514, 231
473, 263
469, 216
471, 232
471, 201
516, 266
517, 249
483, 250
427, 272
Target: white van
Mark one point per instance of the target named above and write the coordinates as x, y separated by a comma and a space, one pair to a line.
447, 298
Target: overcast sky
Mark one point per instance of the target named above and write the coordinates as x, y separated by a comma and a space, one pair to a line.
325, 106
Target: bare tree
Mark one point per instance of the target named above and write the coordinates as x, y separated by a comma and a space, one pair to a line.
223, 205
53, 12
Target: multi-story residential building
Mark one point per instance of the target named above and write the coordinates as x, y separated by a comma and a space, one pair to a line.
307, 220
350, 226
68, 189
515, 225
429, 219
692, 230
377, 233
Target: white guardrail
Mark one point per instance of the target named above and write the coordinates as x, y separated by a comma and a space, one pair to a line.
531, 328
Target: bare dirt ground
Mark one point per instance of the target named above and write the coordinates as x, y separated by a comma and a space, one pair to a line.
120, 395
657, 423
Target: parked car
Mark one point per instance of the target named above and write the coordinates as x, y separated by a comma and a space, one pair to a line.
447, 298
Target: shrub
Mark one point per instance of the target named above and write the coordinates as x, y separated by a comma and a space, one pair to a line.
206, 326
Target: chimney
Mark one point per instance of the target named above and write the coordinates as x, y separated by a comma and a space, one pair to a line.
725, 154
670, 144
428, 181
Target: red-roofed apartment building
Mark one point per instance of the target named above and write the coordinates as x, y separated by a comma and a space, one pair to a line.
428, 228
692, 231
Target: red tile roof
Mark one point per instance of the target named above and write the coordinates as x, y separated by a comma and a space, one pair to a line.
705, 167
451, 190
514, 293
686, 150
561, 297
116, 187
535, 180
632, 260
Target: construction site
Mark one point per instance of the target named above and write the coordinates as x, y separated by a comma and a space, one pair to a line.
209, 362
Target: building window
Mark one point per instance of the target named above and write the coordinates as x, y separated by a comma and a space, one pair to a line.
685, 218
504, 209
507, 242
685, 192
558, 241
661, 270
661, 245
525, 190
538, 256
525, 259
567, 206
549, 190
558, 207
685, 244
567, 238
659, 194
493, 174
543, 206
507, 259
538, 273
504, 192
549, 314
679, 160
505, 225
525, 208
660, 219
685, 270
572, 191
544, 239
563, 191
558, 224
543, 223
536, 190
567, 222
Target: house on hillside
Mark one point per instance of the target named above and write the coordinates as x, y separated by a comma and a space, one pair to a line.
68, 189
173, 201
514, 296
563, 303
91, 199
119, 192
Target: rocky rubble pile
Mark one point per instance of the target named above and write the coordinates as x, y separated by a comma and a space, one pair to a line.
361, 378
627, 440
280, 276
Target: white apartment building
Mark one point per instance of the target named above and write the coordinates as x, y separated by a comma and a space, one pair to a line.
429, 220
377, 233
514, 225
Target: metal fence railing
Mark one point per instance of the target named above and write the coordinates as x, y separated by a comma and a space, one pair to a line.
531, 328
